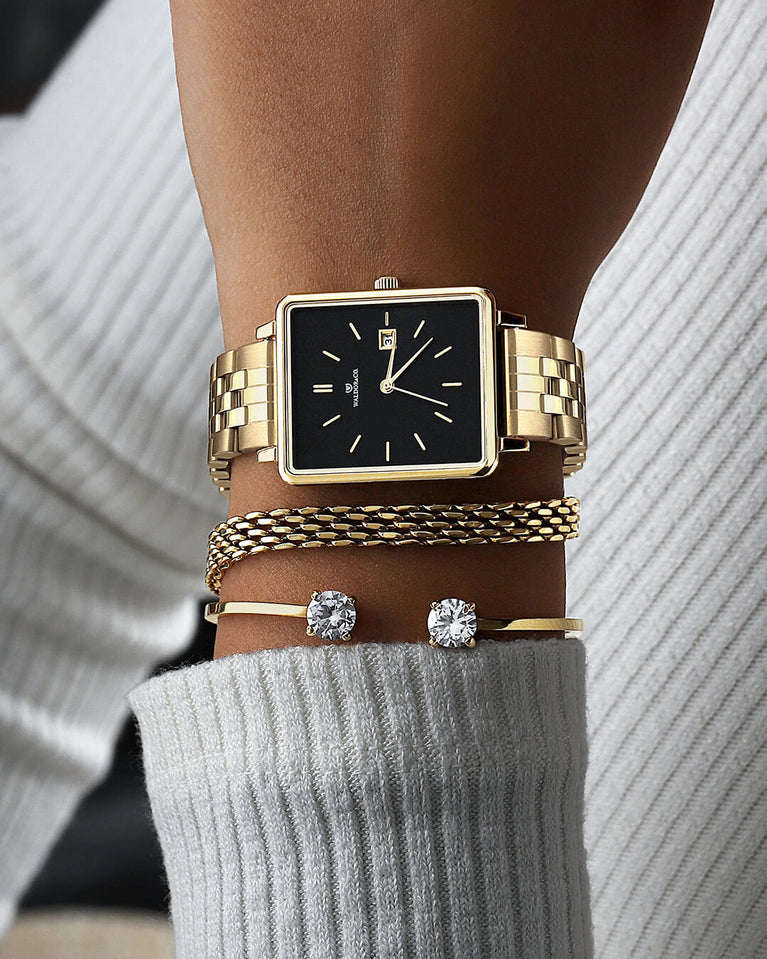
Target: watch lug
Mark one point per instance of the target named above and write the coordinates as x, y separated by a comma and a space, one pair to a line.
511, 319
386, 283
266, 330
267, 454
510, 444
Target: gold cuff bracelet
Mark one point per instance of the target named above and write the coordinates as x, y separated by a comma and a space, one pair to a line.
451, 623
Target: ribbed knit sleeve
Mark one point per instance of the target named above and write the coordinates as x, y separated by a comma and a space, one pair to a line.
106, 293
373, 801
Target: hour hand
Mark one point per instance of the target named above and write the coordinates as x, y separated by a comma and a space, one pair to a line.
390, 367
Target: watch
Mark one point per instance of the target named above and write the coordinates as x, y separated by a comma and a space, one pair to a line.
394, 384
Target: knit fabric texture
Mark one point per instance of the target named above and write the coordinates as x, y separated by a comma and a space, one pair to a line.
669, 572
374, 801
105, 503
357, 779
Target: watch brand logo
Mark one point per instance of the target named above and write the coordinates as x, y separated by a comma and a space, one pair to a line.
354, 388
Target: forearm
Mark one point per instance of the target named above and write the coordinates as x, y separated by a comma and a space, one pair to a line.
469, 143
342, 776
332, 142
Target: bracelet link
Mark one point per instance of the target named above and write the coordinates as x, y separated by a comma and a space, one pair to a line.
543, 392
241, 412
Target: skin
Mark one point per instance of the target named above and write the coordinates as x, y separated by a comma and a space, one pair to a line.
484, 143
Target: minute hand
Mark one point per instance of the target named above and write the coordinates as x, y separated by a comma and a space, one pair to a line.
414, 357
419, 396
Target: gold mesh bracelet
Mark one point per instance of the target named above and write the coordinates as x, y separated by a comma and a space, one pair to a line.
434, 525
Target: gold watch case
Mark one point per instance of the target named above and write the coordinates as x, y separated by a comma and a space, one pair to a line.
488, 320
532, 390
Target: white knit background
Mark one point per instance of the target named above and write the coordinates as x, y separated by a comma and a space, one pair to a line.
100, 232
670, 570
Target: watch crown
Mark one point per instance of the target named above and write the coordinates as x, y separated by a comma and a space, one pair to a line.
386, 283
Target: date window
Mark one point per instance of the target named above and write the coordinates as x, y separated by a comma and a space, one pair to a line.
387, 339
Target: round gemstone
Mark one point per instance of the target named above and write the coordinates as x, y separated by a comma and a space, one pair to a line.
452, 622
331, 615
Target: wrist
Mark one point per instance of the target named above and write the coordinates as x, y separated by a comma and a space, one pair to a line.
393, 587
547, 292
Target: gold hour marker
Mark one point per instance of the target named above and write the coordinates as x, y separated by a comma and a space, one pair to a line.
442, 352
386, 318
332, 419
420, 327
388, 450
332, 356
322, 388
354, 330
420, 442
353, 447
452, 384
442, 416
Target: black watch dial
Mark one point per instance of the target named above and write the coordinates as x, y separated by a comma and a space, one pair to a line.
388, 385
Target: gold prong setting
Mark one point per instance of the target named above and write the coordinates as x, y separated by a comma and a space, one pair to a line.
331, 615
452, 622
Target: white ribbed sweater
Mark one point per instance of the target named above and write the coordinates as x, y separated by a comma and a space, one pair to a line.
388, 800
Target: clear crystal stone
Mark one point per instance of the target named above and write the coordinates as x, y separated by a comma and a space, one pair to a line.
331, 615
452, 622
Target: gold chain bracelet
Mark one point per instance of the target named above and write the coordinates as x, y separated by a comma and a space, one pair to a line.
434, 525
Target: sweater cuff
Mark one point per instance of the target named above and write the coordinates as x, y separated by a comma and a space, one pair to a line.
374, 800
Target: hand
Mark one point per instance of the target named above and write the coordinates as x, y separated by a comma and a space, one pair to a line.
419, 396
387, 378
391, 379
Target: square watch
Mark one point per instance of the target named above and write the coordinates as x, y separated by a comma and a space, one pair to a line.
394, 384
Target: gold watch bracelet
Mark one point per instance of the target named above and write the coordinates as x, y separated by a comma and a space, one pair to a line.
541, 383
